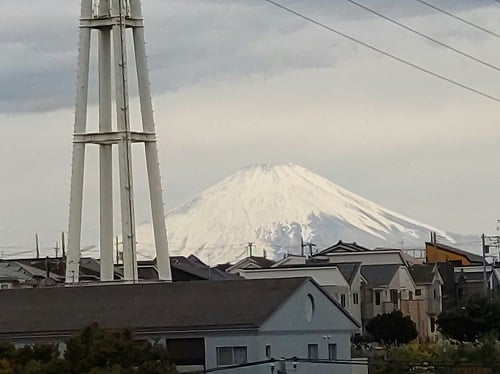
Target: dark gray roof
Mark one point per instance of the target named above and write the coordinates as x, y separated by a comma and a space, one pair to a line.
422, 274
473, 258
167, 307
262, 261
379, 275
349, 270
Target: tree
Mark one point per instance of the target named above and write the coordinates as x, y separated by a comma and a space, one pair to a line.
392, 328
93, 351
97, 350
478, 317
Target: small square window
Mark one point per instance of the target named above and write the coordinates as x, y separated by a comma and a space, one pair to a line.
312, 351
418, 292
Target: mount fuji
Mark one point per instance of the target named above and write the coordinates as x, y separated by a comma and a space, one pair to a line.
273, 206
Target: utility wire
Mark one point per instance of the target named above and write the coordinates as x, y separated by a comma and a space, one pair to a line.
476, 26
381, 51
430, 38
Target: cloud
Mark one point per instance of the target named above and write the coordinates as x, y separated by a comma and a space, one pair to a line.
240, 82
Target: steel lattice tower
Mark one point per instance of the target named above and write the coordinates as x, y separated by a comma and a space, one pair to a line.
112, 20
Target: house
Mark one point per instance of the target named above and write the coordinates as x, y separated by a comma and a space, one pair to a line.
384, 288
438, 252
470, 281
22, 273
251, 262
426, 303
352, 252
204, 324
18, 274
341, 281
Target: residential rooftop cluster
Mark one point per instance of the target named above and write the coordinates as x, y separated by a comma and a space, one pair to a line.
256, 309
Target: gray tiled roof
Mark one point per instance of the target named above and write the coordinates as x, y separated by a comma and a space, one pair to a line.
379, 275
422, 274
201, 305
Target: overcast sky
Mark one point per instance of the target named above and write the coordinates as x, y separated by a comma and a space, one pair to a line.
241, 82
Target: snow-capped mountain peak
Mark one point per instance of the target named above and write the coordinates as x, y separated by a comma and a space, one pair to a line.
273, 206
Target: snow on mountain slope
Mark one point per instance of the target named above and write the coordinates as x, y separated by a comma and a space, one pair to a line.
273, 206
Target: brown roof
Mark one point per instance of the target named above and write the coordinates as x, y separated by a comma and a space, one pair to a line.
192, 306
473, 258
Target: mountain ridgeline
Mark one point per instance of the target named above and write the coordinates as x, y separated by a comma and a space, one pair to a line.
273, 206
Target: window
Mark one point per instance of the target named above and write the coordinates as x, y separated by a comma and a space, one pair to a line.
377, 297
332, 352
394, 297
4, 286
268, 351
312, 351
435, 294
418, 292
342, 300
355, 298
309, 308
433, 324
410, 295
231, 355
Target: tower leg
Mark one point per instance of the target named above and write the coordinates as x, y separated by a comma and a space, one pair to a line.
151, 149
124, 146
78, 159
105, 150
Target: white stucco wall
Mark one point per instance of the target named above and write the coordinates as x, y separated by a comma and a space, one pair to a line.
367, 258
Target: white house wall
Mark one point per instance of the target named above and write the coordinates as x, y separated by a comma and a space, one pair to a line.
325, 276
367, 258
288, 333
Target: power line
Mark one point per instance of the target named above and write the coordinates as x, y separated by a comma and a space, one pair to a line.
425, 36
476, 26
390, 55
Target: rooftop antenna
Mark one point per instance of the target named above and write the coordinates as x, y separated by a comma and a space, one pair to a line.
113, 20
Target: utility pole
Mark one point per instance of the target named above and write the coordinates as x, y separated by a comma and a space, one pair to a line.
63, 245
37, 247
56, 249
485, 250
488, 241
302, 246
117, 249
